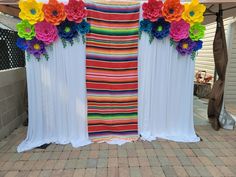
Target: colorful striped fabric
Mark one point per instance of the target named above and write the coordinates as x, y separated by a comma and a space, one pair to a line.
111, 71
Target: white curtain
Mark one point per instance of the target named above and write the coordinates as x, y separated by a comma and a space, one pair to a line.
165, 92
57, 98
58, 104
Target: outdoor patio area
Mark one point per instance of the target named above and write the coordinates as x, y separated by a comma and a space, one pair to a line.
215, 155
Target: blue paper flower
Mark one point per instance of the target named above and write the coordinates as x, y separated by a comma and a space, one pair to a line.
83, 27
198, 45
161, 28
146, 26
67, 30
22, 44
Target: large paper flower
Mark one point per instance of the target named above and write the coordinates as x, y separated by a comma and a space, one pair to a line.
172, 10
186, 46
84, 27
160, 28
197, 31
198, 45
193, 12
152, 10
22, 44
25, 30
36, 48
179, 30
68, 30
54, 12
75, 10
146, 26
31, 11
46, 32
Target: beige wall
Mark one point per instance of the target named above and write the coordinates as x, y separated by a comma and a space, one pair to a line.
205, 58
12, 100
230, 84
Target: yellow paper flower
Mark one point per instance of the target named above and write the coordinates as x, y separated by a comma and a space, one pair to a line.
193, 12
31, 11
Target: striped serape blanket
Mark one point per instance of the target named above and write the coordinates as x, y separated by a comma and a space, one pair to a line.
111, 71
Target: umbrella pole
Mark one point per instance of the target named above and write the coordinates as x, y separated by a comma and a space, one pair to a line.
218, 15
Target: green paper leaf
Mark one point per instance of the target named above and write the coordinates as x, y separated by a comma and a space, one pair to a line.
84, 39
139, 34
172, 42
72, 42
193, 55
27, 56
77, 39
46, 56
151, 38
64, 43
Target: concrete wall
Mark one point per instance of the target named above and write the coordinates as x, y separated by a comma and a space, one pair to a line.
12, 100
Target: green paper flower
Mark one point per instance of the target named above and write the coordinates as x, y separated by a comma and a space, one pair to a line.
25, 30
197, 32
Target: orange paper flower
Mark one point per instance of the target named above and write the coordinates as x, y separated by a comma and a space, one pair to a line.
54, 12
172, 10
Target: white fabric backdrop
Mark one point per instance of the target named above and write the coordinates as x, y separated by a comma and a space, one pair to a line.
165, 92
57, 98
58, 104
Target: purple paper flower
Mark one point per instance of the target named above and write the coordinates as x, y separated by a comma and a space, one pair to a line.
36, 48
186, 46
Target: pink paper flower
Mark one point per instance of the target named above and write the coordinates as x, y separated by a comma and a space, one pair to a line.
46, 32
75, 10
179, 30
152, 10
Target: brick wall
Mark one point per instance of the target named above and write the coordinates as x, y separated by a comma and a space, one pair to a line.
12, 100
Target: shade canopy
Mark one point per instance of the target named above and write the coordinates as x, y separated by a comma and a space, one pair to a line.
228, 7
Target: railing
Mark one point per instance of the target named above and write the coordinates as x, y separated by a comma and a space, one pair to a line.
10, 55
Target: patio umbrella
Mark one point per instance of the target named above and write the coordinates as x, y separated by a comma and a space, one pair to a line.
217, 114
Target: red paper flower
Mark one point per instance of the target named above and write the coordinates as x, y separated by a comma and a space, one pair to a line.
75, 11
172, 10
54, 12
152, 10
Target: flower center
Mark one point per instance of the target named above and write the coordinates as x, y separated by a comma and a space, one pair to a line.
195, 31
159, 28
54, 13
185, 45
171, 11
192, 13
27, 30
36, 46
67, 29
33, 11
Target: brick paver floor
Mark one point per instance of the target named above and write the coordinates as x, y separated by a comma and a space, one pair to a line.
215, 155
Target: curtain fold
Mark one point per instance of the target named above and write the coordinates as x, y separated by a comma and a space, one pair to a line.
57, 101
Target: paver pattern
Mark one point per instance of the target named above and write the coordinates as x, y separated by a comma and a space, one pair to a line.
215, 156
